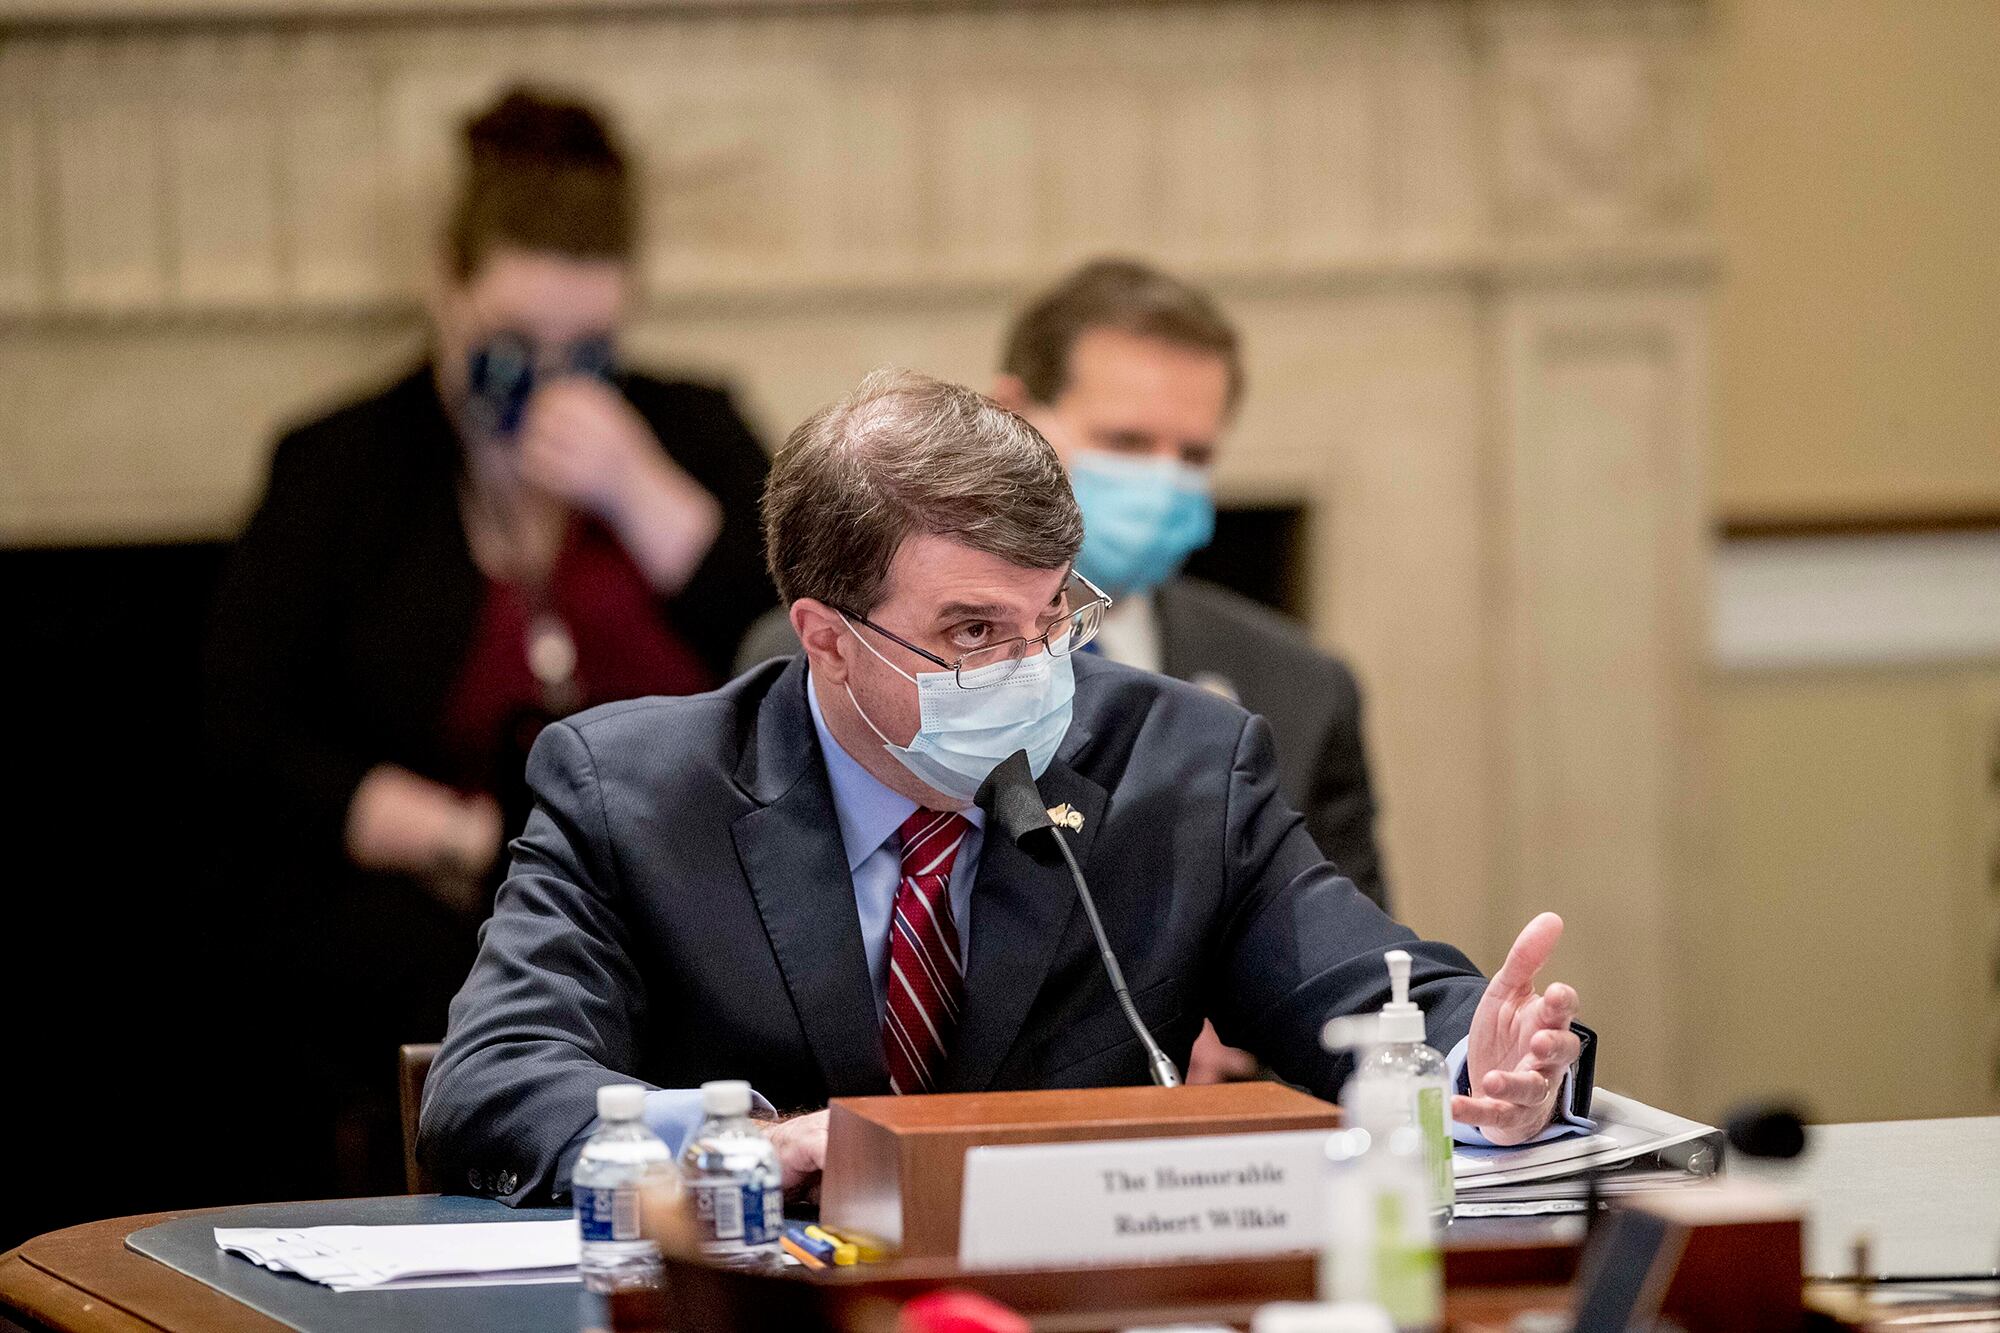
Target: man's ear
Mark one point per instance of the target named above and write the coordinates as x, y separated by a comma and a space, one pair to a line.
821, 632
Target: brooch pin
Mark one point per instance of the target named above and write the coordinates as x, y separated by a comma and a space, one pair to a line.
1066, 817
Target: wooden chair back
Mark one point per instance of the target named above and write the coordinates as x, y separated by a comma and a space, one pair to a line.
413, 1066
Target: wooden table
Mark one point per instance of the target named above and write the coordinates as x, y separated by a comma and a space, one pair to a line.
1923, 1189
93, 1277
85, 1279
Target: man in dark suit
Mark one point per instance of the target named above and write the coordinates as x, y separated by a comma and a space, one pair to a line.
788, 881
1134, 376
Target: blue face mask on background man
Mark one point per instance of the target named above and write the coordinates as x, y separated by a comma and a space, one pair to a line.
1142, 518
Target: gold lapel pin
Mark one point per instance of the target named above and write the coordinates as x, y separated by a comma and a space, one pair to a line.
1066, 817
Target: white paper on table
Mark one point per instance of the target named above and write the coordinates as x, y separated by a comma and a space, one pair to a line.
524, 1277
1522, 1208
1626, 1129
365, 1258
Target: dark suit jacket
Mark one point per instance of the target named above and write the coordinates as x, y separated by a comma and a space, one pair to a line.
680, 909
1218, 638
1223, 640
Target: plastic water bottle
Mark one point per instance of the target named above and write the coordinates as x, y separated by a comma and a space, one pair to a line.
732, 1171
610, 1178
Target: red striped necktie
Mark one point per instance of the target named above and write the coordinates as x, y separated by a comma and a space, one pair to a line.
926, 982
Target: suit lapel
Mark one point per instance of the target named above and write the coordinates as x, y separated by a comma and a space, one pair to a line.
1021, 912
791, 853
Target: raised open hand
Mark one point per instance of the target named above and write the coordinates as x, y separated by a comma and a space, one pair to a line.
1521, 1043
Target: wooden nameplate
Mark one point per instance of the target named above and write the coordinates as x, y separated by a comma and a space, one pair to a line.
895, 1165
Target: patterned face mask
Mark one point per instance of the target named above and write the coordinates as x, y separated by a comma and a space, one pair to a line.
502, 374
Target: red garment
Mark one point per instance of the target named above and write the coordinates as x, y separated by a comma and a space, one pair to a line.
625, 648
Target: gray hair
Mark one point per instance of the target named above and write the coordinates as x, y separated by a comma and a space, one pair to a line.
905, 454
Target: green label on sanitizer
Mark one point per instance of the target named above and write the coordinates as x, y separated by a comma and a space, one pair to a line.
1437, 1143
1408, 1272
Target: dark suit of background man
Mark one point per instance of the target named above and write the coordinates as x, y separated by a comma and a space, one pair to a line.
786, 880
1134, 376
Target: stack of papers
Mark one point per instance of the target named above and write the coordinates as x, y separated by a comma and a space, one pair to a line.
1635, 1148
395, 1258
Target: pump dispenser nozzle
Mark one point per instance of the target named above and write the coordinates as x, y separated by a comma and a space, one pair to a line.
1401, 1020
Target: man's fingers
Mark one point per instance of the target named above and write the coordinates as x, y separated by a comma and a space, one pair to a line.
1551, 1050
1532, 948
1558, 1005
1491, 1113
1529, 1087
801, 1145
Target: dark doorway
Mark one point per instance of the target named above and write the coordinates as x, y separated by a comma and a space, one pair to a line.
1259, 551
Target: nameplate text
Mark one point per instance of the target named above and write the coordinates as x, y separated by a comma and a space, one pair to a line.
1138, 1200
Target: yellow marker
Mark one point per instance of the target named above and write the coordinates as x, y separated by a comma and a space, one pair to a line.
845, 1252
866, 1249
801, 1253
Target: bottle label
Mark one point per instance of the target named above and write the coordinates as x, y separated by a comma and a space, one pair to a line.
763, 1214
747, 1213
1408, 1276
607, 1212
1437, 1144
718, 1209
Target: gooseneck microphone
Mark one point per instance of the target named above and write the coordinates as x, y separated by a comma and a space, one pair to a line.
1011, 801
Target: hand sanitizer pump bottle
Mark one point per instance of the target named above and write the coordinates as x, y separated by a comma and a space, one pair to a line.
1382, 1239
1399, 1080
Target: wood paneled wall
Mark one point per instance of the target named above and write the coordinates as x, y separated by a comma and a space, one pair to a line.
1468, 244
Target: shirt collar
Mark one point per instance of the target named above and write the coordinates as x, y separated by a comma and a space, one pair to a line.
1131, 632
868, 811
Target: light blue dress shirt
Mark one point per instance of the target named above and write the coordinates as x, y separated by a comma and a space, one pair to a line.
869, 815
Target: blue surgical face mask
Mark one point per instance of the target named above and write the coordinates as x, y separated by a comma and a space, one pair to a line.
1142, 518
963, 734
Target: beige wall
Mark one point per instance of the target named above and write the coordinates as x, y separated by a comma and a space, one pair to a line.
1851, 922
1857, 185
1848, 929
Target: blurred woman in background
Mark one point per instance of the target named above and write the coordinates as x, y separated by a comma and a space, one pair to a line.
512, 531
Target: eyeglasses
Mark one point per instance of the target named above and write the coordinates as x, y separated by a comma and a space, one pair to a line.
1070, 632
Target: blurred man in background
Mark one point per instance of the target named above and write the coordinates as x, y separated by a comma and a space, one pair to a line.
1135, 376
515, 529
